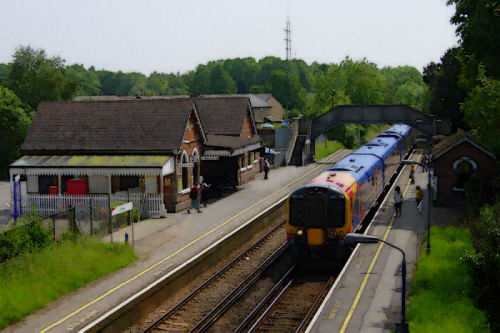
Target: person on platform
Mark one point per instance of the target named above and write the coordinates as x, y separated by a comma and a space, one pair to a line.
419, 196
204, 193
267, 167
412, 173
398, 200
194, 195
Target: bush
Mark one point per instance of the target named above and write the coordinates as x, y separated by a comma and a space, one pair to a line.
442, 287
484, 261
27, 238
122, 219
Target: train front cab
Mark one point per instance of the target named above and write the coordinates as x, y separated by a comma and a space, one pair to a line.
318, 218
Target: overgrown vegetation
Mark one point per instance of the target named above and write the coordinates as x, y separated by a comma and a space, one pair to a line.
442, 287
31, 236
33, 279
323, 150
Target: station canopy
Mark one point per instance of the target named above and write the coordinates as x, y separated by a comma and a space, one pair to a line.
94, 165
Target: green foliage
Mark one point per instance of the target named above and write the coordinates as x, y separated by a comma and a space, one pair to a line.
446, 92
478, 25
442, 286
14, 122
31, 281
484, 260
31, 236
88, 81
482, 111
34, 77
243, 72
212, 79
279, 85
322, 150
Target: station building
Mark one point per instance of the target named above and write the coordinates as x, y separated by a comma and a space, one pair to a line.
455, 160
152, 147
231, 152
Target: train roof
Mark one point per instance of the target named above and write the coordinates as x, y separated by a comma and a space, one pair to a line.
398, 130
359, 166
379, 146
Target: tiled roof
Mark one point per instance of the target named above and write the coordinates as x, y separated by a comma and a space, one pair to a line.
447, 144
133, 126
222, 115
227, 141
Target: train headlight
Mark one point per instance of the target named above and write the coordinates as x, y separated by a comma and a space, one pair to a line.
341, 233
299, 232
333, 233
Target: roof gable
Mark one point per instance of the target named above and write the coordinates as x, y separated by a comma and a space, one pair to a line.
223, 115
138, 126
457, 139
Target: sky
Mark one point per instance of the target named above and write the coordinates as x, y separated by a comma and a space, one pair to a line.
176, 36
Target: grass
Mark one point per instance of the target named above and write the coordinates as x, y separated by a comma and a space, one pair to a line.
442, 285
323, 151
32, 280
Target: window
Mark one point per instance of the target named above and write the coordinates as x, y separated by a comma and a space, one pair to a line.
464, 168
184, 161
195, 159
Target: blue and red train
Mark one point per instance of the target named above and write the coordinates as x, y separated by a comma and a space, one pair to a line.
324, 210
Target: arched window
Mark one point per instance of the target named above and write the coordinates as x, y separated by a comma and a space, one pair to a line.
464, 168
184, 161
195, 159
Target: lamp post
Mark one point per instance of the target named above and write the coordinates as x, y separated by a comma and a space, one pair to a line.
429, 196
401, 327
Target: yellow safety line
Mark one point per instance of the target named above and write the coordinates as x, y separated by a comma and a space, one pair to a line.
179, 250
367, 274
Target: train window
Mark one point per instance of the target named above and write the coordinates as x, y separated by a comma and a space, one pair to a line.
317, 207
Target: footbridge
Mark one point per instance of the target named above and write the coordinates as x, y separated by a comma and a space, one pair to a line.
364, 115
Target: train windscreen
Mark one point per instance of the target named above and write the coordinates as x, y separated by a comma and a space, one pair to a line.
317, 207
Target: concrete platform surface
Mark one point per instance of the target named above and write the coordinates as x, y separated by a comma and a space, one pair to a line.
164, 244
367, 297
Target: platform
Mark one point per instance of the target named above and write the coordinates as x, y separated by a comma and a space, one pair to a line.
367, 295
164, 244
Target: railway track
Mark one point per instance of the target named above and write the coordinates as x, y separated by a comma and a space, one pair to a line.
290, 306
201, 308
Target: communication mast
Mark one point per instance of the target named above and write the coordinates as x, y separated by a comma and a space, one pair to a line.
288, 40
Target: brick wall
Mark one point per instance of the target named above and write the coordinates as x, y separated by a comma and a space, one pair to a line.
447, 177
247, 129
276, 111
192, 142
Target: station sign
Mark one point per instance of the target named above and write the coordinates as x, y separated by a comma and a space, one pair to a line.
185, 165
122, 208
210, 158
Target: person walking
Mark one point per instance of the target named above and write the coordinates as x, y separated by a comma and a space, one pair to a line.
398, 200
194, 195
412, 173
419, 196
267, 167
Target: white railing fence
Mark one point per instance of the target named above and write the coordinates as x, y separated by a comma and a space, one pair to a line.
150, 205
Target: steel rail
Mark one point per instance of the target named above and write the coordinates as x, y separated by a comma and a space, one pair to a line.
263, 302
316, 303
212, 278
268, 309
238, 292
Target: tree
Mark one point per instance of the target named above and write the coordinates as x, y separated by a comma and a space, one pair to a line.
482, 111
88, 81
34, 77
211, 79
14, 122
243, 71
279, 85
478, 25
443, 80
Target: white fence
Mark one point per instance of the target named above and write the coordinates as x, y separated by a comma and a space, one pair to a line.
149, 205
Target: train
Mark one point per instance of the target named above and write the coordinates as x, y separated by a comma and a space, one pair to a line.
336, 202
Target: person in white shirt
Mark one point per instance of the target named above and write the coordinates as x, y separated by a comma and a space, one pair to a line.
398, 200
